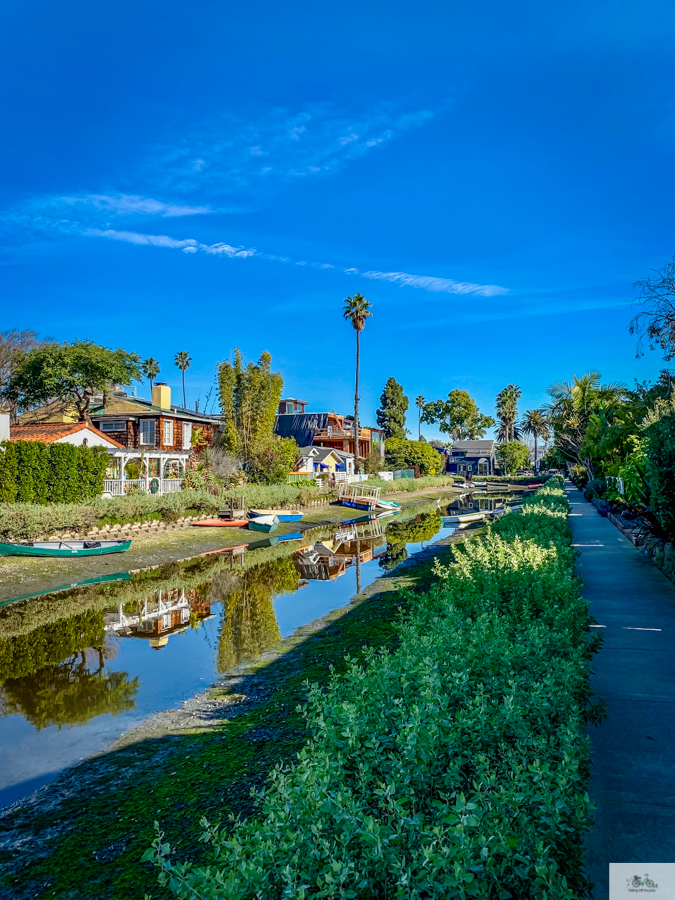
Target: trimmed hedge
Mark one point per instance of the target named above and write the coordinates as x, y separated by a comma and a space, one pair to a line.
452, 766
34, 472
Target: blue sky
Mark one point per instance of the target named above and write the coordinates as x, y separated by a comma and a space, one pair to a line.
492, 177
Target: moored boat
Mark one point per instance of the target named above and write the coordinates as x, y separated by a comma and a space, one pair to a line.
283, 515
264, 524
464, 518
222, 523
64, 548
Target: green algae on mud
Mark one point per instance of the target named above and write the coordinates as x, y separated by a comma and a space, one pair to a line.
83, 836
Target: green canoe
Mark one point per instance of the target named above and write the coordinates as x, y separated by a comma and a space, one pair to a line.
64, 548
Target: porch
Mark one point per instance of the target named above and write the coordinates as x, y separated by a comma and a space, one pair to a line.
147, 472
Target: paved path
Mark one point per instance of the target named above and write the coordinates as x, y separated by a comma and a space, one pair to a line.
633, 777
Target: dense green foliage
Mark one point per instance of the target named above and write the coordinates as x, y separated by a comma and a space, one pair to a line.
454, 765
661, 471
33, 472
393, 407
511, 456
70, 373
403, 454
249, 399
458, 416
507, 413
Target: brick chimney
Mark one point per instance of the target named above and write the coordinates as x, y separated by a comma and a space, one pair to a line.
161, 395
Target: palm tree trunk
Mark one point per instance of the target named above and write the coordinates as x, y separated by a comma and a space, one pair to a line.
535, 451
184, 401
419, 425
356, 401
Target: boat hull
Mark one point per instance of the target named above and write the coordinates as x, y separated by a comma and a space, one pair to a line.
463, 520
265, 524
222, 523
355, 504
64, 548
283, 515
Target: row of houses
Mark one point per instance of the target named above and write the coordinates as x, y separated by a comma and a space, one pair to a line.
155, 439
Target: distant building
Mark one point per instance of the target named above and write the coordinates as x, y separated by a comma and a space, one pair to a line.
324, 460
290, 405
324, 429
471, 458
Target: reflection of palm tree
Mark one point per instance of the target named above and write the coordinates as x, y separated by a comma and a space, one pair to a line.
183, 361
356, 311
358, 566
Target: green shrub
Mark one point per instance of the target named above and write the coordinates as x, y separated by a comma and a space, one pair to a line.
661, 471
403, 454
452, 766
34, 472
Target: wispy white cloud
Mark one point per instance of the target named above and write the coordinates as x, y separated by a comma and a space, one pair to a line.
405, 279
189, 245
245, 157
435, 284
120, 205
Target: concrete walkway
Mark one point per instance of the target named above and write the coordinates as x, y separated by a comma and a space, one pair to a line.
633, 776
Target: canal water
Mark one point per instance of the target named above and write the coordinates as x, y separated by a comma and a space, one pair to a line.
80, 667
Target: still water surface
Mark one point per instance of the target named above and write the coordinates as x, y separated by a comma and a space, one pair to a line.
79, 668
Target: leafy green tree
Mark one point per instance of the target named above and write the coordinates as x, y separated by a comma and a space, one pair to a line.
534, 423
151, 371
393, 407
458, 416
419, 403
404, 454
71, 373
356, 310
183, 361
14, 345
660, 474
575, 407
507, 413
249, 399
511, 456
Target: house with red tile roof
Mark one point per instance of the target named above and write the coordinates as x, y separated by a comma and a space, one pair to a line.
81, 434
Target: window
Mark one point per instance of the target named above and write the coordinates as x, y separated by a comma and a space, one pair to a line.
148, 432
289, 408
187, 435
168, 432
113, 425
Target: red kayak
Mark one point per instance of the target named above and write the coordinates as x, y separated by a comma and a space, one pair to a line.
222, 523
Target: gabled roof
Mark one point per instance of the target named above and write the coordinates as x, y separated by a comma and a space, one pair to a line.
134, 406
48, 432
318, 453
474, 446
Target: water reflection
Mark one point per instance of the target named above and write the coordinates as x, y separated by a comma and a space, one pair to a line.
80, 657
477, 501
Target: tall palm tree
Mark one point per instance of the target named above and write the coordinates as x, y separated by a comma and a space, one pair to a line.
507, 412
419, 403
150, 370
534, 423
183, 361
356, 310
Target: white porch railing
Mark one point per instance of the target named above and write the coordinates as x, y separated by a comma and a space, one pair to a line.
119, 488
344, 478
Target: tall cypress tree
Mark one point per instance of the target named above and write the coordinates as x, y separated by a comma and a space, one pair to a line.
393, 406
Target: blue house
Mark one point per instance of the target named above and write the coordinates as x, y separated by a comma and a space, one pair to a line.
471, 458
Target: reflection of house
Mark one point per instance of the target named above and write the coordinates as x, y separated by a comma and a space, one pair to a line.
324, 430
316, 460
471, 458
326, 560
158, 617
